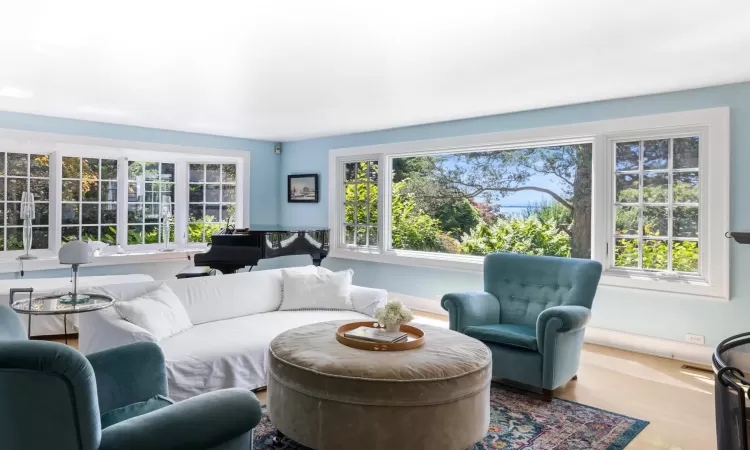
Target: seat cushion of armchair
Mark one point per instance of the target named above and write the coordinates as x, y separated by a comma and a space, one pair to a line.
506, 334
136, 409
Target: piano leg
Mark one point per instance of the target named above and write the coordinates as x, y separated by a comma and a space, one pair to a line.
317, 261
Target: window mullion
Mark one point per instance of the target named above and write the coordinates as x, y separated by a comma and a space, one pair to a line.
640, 204
122, 201
670, 206
55, 201
384, 203
181, 202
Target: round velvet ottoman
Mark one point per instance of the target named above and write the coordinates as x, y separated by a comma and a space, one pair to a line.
327, 396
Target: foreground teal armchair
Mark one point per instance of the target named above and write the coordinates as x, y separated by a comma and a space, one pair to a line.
531, 315
52, 397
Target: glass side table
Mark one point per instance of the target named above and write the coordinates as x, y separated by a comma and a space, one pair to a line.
58, 305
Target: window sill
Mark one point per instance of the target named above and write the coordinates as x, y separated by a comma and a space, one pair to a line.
675, 285
475, 264
47, 260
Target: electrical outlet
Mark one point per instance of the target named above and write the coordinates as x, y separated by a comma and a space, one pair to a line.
695, 339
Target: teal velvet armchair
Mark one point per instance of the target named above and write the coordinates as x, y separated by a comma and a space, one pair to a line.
53, 397
532, 315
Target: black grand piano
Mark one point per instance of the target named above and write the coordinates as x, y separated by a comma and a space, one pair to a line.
232, 249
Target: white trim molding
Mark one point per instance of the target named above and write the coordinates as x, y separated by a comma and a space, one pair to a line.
47, 259
665, 348
711, 124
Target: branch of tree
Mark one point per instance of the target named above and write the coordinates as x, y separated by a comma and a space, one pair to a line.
480, 189
552, 194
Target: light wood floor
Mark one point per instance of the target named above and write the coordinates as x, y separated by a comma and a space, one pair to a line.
679, 403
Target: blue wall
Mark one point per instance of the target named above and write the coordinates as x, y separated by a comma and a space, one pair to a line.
264, 163
647, 313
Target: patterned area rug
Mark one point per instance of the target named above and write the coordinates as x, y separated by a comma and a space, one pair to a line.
520, 420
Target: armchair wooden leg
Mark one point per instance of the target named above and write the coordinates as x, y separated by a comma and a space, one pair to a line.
575, 378
547, 395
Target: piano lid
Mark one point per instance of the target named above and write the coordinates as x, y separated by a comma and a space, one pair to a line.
284, 228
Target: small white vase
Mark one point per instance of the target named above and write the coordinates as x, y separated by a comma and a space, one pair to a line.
393, 327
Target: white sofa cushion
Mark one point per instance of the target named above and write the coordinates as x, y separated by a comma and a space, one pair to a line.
233, 352
208, 299
322, 289
158, 311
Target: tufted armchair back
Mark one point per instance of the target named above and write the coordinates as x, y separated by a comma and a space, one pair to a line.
47, 392
527, 285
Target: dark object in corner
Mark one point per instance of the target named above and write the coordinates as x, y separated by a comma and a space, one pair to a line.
192, 272
742, 237
730, 367
232, 250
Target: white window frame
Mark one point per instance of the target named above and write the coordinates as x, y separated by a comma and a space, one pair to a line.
713, 125
204, 183
57, 146
80, 202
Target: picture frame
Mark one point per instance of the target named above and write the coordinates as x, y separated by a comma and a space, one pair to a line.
302, 188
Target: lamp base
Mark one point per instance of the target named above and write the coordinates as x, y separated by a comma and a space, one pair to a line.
166, 250
26, 257
71, 298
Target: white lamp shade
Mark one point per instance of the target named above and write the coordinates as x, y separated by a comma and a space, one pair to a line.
27, 206
75, 252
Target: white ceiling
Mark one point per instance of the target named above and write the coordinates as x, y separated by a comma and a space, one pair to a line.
287, 70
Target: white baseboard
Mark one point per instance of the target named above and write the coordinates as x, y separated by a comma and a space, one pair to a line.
683, 351
419, 303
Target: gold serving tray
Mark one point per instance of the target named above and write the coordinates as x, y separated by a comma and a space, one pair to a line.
414, 340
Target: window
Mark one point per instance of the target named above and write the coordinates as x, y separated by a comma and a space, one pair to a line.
657, 207
22, 172
640, 194
529, 200
115, 191
212, 199
361, 204
150, 187
89, 199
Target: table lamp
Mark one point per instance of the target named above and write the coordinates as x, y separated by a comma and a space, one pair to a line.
75, 253
28, 214
165, 214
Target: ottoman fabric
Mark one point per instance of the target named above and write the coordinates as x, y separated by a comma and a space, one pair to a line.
326, 395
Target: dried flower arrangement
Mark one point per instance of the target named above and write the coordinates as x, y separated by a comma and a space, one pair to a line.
393, 315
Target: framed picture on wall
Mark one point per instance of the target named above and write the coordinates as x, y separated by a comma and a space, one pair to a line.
302, 188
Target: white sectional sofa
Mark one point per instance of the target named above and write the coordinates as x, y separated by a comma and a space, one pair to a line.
234, 318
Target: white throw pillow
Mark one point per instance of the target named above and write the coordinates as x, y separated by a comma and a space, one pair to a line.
158, 311
321, 289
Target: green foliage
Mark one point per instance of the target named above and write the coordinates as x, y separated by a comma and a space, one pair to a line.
413, 166
656, 254
412, 229
458, 218
529, 236
548, 212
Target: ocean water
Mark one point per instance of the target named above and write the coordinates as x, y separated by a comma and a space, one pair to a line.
516, 210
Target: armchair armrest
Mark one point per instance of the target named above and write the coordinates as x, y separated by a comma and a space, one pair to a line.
197, 423
560, 319
128, 374
471, 308
105, 329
